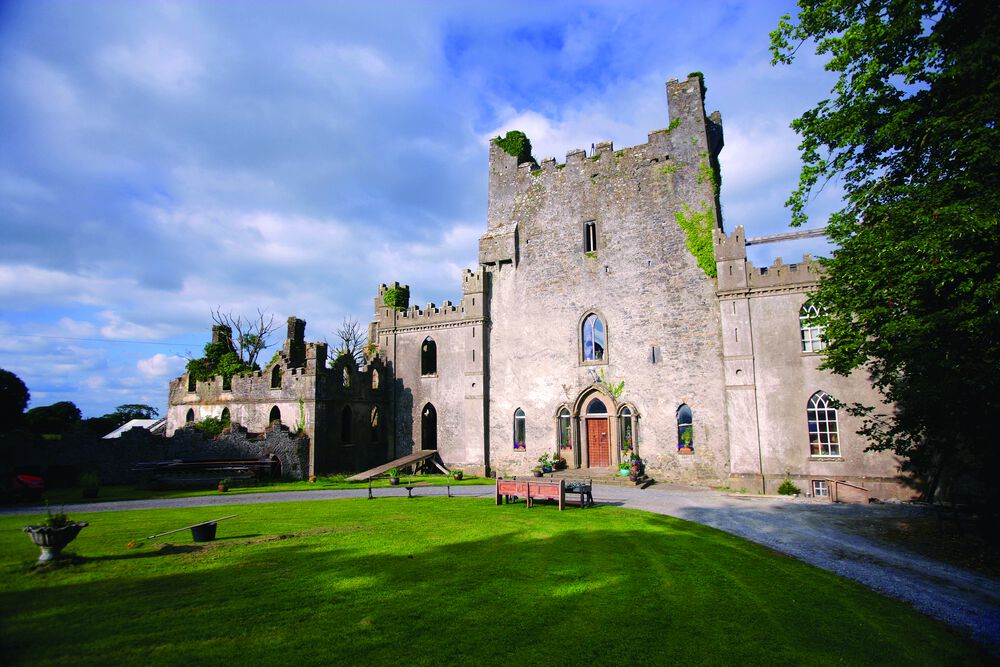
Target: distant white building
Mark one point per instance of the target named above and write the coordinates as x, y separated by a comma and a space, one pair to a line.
152, 425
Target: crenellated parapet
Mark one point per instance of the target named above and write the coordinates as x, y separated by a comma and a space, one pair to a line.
470, 307
781, 275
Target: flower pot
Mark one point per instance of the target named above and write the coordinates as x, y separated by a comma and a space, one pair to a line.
394, 481
546, 468
623, 472
223, 488
457, 476
53, 540
684, 450
536, 473
633, 478
204, 532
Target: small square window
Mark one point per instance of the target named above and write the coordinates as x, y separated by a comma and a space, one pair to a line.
820, 489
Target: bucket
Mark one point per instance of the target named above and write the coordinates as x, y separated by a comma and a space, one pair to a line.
204, 532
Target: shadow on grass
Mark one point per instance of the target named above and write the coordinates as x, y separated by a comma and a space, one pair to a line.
600, 587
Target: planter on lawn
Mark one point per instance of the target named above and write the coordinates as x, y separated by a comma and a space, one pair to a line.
53, 540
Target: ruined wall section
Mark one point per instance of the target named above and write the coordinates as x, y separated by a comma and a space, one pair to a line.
658, 305
456, 389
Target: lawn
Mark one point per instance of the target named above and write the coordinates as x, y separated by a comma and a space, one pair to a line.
441, 581
111, 493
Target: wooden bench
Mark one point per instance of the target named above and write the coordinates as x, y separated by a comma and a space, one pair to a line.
585, 491
409, 488
549, 489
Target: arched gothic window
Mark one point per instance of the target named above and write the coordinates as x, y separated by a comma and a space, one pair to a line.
685, 428
565, 438
428, 357
824, 435
274, 417
192, 382
519, 430
375, 425
225, 418
276, 377
626, 429
189, 418
346, 417
811, 332
593, 338
375, 378
428, 427
347, 378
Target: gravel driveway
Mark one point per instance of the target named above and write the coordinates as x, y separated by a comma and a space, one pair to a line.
816, 532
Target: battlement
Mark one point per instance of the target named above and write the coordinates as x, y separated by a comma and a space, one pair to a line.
472, 281
779, 274
469, 307
729, 247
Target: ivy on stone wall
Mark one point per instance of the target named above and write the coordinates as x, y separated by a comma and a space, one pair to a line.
219, 359
516, 144
397, 297
698, 228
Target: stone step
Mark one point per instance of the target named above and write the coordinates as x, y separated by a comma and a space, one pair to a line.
600, 477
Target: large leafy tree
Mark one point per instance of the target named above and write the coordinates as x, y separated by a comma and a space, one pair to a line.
61, 417
14, 397
912, 292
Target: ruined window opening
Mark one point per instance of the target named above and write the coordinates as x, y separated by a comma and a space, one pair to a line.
346, 417
590, 237
810, 331
593, 338
685, 428
428, 357
626, 430
565, 431
519, 431
275, 416
192, 383
347, 378
375, 378
824, 433
227, 382
374, 424
189, 418
225, 418
276, 377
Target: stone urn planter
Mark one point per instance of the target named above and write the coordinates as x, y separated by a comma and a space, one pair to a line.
394, 481
53, 540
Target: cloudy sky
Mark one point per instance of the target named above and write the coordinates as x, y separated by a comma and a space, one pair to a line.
160, 159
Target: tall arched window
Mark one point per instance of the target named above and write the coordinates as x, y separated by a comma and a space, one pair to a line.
189, 418
225, 418
276, 377
810, 330
519, 431
347, 378
626, 429
593, 338
565, 438
274, 417
428, 427
346, 417
428, 357
375, 378
685, 429
192, 382
824, 436
375, 426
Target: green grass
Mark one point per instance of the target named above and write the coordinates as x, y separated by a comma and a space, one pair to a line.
74, 495
441, 581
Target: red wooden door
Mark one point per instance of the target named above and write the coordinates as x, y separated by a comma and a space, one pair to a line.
598, 443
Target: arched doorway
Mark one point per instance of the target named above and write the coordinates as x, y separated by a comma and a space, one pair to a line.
598, 440
428, 427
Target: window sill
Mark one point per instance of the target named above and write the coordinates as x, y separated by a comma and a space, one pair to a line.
682, 452
429, 375
601, 362
839, 459
812, 354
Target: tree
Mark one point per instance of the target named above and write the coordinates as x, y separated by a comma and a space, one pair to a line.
912, 293
352, 340
60, 417
130, 411
251, 334
14, 397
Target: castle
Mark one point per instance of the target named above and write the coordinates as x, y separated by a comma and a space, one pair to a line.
609, 311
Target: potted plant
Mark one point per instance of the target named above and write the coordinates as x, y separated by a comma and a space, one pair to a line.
544, 463
224, 484
536, 471
90, 484
687, 437
54, 534
394, 476
457, 474
559, 463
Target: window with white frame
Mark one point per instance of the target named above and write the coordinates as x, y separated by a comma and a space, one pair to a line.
593, 338
590, 236
820, 489
626, 429
519, 430
565, 441
824, 436
810, 330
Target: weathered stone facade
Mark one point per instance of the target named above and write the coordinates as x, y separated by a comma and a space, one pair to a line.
600, 235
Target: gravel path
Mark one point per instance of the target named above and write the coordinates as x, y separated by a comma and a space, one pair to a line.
816, 532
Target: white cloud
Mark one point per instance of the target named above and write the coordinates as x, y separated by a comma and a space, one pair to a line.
160, 366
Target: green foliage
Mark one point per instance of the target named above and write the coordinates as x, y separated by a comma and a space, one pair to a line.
130, 411
397, 297
701, 82
911, 294
219, 359
60, 417
670, 169
590, 254
615, 389
516, 144
55, 519
709, 173
14, 397
674, 124
698, 228
393, 472
90, 484
788, 488
211, 427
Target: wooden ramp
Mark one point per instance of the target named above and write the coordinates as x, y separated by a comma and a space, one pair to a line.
409, 460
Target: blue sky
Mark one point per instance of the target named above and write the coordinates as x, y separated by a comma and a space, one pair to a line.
162, 159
